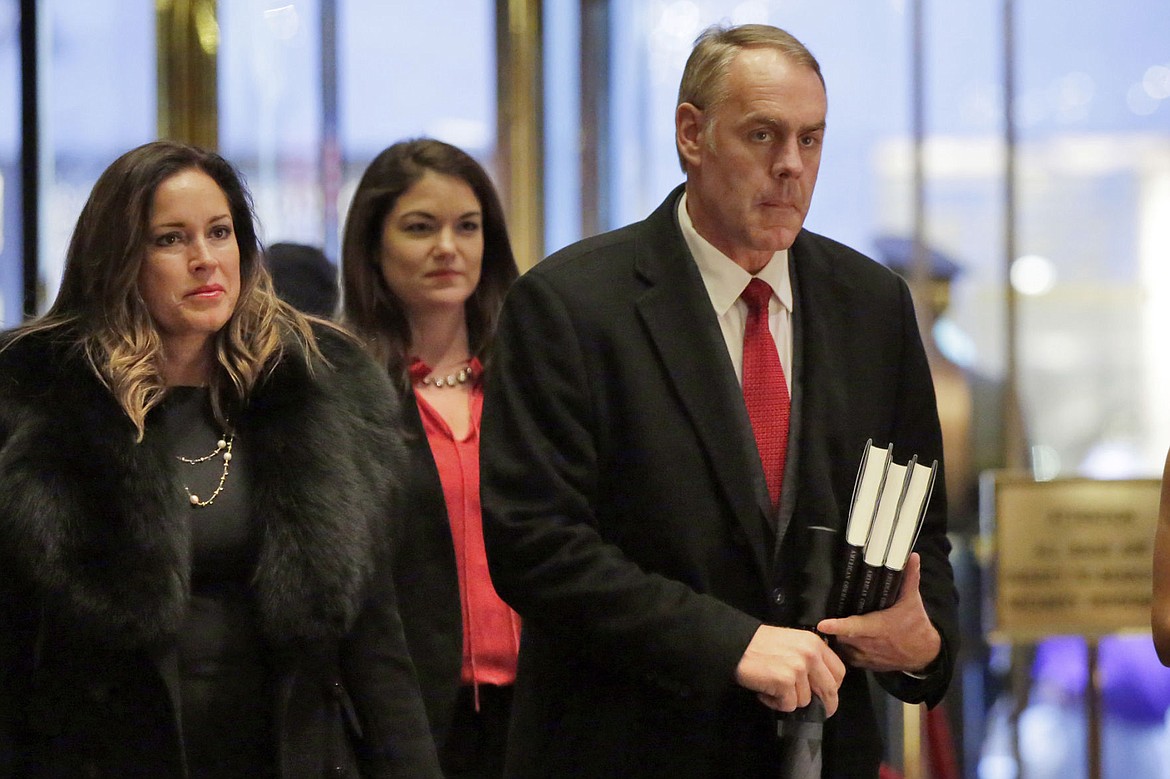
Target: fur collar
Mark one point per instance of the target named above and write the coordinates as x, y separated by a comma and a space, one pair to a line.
96, 523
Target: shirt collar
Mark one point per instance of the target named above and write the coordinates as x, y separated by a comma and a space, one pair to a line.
724, 279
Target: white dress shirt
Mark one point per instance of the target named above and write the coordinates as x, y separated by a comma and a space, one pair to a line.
725, 282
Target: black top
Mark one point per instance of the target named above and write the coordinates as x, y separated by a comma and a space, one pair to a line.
225, 687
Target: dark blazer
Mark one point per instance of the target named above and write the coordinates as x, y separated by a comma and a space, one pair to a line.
426, 578
626, 511
95, 568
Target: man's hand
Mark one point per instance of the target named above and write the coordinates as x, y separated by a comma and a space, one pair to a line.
786, 667
900, 638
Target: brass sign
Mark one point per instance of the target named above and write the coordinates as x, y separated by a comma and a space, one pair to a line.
1073, 556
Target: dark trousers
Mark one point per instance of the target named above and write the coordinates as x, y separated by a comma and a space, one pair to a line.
477, 740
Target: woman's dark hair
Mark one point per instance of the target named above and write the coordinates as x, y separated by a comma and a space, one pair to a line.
99, 306
370, 308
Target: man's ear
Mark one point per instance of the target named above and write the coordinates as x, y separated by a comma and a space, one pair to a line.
688, 131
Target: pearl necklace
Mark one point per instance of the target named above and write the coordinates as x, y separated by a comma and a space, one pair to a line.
224, 446
462, 376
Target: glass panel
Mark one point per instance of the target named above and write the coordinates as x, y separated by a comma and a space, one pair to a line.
962, 156
98, 101
396, 78
11, 243
1094, 227
415, 69
562, 136
429, 70
270, 112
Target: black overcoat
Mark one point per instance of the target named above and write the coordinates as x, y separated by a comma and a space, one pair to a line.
625, 509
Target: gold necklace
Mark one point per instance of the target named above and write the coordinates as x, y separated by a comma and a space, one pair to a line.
224, 446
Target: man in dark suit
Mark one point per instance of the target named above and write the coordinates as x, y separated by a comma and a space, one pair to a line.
665, 562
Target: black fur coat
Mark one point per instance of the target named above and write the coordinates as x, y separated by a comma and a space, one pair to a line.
95, 572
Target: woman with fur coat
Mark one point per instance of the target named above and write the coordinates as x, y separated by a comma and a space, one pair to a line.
193, 482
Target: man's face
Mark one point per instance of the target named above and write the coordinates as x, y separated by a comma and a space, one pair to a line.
752, 161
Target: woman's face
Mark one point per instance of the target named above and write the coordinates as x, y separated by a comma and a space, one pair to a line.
432, 244
190, 275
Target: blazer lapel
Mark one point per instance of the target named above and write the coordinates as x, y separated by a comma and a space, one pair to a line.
808, 500
791, 484
699, 368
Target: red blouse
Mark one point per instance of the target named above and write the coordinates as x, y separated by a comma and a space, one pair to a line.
491, 630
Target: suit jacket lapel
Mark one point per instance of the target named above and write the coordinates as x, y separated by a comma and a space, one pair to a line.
700, 370
791, 484
808, 499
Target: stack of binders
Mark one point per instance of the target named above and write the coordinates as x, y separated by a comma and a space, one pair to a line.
889, 503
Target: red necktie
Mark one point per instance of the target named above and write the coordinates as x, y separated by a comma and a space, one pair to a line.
764, 390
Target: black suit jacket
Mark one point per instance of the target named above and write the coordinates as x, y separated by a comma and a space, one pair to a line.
625, 511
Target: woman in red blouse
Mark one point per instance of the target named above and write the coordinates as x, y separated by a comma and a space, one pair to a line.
426, 263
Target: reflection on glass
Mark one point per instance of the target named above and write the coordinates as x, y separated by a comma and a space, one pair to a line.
11, 276
270, 112
98, 101
416, 69
402, 70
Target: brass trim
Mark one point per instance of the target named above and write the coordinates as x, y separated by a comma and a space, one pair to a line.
187, 47
520, 124
912, 723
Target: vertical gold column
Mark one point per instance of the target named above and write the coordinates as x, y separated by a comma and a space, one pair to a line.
187, 47
912, 715
520, 125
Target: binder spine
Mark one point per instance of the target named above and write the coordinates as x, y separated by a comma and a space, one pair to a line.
850, 575
891, 585
867, 593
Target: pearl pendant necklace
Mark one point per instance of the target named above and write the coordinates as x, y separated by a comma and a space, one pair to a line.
462, 376
467, 373
223, 448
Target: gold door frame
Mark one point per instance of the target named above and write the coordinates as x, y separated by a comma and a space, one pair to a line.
520, 124
187, 49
